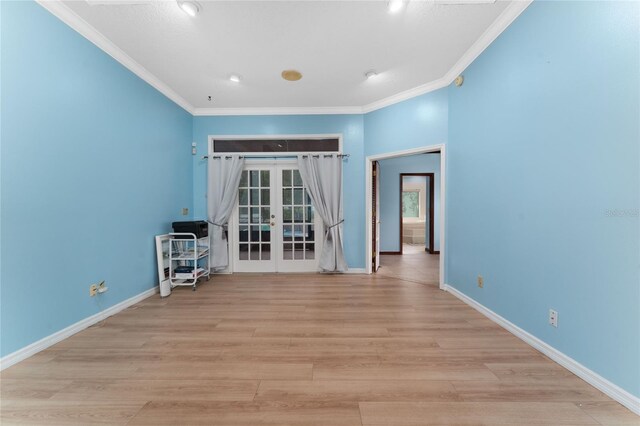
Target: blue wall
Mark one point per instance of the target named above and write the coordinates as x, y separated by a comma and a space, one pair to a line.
543, 144
416, 122
94, 163
420, 121
390, 196
350, 126
542, 194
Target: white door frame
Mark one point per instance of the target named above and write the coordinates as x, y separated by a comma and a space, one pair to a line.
264, 157
369, 199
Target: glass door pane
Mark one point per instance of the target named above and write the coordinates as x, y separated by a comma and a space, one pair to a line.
298, 218
255, 221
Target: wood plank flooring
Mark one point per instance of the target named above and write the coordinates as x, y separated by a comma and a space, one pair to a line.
299, 349
414, 265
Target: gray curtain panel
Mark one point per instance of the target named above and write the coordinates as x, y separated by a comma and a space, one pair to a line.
322, 175
222, 191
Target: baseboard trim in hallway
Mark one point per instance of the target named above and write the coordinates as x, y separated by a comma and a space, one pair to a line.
610, 389
42, 344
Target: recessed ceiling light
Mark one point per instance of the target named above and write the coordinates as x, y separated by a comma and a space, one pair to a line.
370, 74
191, 8
395, 6
291, 75
235, 78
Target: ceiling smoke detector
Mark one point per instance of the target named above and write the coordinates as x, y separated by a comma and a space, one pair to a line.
370, 74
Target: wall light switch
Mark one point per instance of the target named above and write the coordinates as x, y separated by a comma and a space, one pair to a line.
185, 211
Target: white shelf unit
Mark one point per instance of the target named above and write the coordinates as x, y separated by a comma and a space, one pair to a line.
188, 259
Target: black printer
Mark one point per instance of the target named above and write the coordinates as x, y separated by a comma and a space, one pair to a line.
197, 227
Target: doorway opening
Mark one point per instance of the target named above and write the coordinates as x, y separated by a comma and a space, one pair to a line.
405, 214
416, 218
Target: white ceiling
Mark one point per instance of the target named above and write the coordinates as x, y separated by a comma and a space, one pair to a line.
332, 43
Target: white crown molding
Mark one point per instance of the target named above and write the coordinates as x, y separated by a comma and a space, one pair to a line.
502, 22
69, 17
42, 344
508, 15
511, 12
614, 391
407, 94
278, 111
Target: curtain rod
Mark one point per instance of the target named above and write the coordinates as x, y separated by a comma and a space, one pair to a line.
274, 156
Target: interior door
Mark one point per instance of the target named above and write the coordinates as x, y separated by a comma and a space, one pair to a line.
376, 216
275, 228
300, 229
255, 221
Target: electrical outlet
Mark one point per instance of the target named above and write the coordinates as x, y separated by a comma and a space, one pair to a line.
93, 290
480, 281
553, 318
185, 211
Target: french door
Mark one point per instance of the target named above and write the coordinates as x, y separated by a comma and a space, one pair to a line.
274, 225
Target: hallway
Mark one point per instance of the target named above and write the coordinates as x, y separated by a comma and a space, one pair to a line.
414, 264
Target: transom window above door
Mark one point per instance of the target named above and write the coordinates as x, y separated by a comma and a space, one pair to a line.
275, 145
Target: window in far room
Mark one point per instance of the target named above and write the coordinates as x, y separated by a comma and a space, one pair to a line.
410, 204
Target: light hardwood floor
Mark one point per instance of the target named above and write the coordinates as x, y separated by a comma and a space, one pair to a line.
414, 264
299, 349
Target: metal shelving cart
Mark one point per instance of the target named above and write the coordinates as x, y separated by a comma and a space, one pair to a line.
188, 259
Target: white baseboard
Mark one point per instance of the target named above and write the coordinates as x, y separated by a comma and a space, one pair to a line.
349, 271
614, 391
356, 271
42, 344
